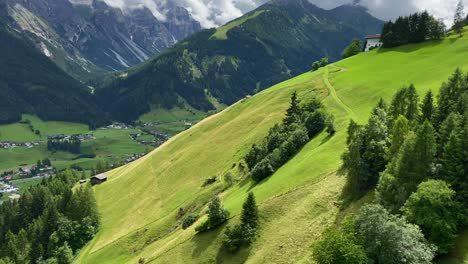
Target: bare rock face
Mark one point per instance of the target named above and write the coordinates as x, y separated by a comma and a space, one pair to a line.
85, 35
180, 23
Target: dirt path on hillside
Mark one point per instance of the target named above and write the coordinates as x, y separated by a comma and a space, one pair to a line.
334, 94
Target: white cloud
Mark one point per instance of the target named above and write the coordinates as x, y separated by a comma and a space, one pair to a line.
212, 13
157, 10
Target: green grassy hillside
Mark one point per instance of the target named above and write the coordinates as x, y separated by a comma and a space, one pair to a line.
140, 201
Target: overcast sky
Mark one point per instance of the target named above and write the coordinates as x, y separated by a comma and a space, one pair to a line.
212, 13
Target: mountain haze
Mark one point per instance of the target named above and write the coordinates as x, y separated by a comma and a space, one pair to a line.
275, 42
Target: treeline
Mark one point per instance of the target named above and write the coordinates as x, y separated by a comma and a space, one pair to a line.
415, 28
414, 153
302, 123
73, 145
49, 223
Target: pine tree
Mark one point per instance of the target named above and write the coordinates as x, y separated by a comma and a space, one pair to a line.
458, 21
293, 112
216, 213
455, 162
250, 212
354, 165
398, 106
450, 96
399, 132
427, 107
375, 142
451, 124
416, 158
412, 109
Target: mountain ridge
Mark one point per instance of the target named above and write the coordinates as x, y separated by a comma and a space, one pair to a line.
275, 42
90, 36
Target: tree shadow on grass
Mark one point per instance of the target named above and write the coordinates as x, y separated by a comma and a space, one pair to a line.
203, 240
325, 140
225, 257
408, 48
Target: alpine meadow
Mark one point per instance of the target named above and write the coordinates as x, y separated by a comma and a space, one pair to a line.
291, 134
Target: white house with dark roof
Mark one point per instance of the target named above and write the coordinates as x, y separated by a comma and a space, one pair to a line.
373, 41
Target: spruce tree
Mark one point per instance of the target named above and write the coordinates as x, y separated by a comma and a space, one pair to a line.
375, 142
398, 106
451, 124
427, 107
354, 165
459, 18
412, 108
455, 163
416, 159
250, 212
399, 132
216, 215
293, 112
450, 95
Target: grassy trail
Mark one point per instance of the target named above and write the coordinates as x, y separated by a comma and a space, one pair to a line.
333, 93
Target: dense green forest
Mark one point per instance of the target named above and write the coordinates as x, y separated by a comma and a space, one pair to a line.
414, 154
415, 28
266, 46
49, 223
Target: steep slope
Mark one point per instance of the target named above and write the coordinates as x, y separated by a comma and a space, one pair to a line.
140, 202
86, 38
31, 83
271, 44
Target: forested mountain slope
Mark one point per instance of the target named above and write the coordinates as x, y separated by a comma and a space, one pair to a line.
141, 201
31, 83
273, 43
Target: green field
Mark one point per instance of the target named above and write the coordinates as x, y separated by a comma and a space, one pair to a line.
139, 202
221, 32
171, 121
22, 133
111, 144
24, 184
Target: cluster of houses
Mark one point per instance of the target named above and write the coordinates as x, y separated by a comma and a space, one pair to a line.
133, 157
159, 138
12, 145
117, 125
7, 188
62, 137
30, 172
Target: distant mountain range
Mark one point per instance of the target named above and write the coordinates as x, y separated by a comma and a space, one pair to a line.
88, 37
268, 45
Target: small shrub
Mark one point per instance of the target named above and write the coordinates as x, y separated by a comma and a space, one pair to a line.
209, 181
189, 220
217, 215
235, 237
262, 170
